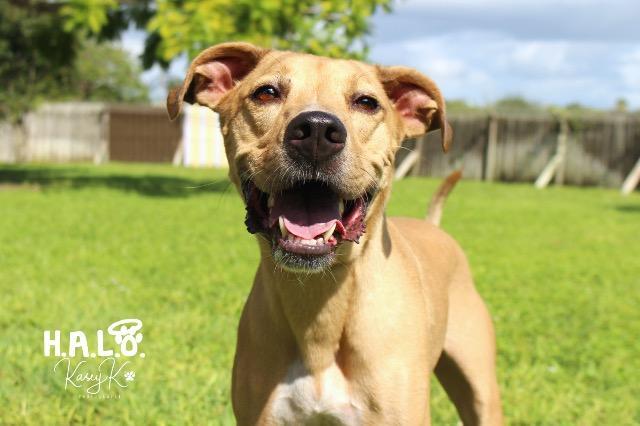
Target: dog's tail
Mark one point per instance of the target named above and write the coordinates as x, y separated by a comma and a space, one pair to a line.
434, 213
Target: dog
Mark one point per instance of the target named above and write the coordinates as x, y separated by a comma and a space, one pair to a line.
350, 311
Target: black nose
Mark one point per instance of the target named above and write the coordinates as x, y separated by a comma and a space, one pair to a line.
315, 135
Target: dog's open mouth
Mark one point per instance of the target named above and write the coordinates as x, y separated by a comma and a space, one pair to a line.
305, 222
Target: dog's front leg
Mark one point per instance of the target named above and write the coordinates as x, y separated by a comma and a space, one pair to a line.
261, 360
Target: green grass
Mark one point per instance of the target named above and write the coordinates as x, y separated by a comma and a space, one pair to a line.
83, 246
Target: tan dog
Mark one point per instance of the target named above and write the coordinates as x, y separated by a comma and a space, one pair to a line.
341, 326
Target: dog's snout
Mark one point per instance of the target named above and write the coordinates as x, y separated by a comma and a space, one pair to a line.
315, 135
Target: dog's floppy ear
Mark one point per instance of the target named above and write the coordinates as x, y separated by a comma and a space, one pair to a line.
213, 73
418, 101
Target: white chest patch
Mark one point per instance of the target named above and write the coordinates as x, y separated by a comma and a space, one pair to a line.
324, 400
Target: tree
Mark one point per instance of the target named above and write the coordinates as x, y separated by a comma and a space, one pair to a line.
36, 55
460, 105
516, 104
42, 57
336, 28
44, 53
622, 105
105, 72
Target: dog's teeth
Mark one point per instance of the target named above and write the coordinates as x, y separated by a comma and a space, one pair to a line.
329, 232
319, 241
341, 207
283, 229
270, 201
308, 242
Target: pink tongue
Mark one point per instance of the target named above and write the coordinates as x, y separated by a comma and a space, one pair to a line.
307, 212
308, 232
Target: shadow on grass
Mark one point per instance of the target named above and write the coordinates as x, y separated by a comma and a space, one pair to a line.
79, 178
629, 208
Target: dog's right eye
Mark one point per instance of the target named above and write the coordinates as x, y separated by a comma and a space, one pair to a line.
266, 93
367, 103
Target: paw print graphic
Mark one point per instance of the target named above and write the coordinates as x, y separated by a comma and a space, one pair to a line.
126, 335
130, 376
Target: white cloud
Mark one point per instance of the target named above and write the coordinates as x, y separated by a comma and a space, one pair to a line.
550, 51
547, 19
482, 67
450, 67
542, 57
630, 69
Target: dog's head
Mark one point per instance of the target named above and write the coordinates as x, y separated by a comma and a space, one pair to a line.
310, 140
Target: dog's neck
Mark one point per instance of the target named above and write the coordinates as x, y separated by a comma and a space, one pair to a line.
313, 309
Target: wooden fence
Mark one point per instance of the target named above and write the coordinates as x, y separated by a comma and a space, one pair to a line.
142, 134
10, 143
79, 132
599, 150
56, 133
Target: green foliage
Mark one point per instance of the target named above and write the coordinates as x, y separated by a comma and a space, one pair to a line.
104, 72
558, 269
462, 106
86, 14
576, 107
336, 28
622, 105
520, 105
36, 56
516, 104
42, 56
44, 53
333, 28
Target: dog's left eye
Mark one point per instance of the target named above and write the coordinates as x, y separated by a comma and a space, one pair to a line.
266, 93
367, 103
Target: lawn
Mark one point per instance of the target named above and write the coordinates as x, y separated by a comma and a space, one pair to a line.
84, 246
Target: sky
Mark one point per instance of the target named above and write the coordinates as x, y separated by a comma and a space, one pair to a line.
552, 52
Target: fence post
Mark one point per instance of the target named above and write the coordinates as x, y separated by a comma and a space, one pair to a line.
619, 141
556, 164
492, 142
563, 139
101, 155
412, 161
415, 170
409, 161
21, 141
178, 156
632, 180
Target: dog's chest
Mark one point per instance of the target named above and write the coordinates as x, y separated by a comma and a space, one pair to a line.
322, 399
